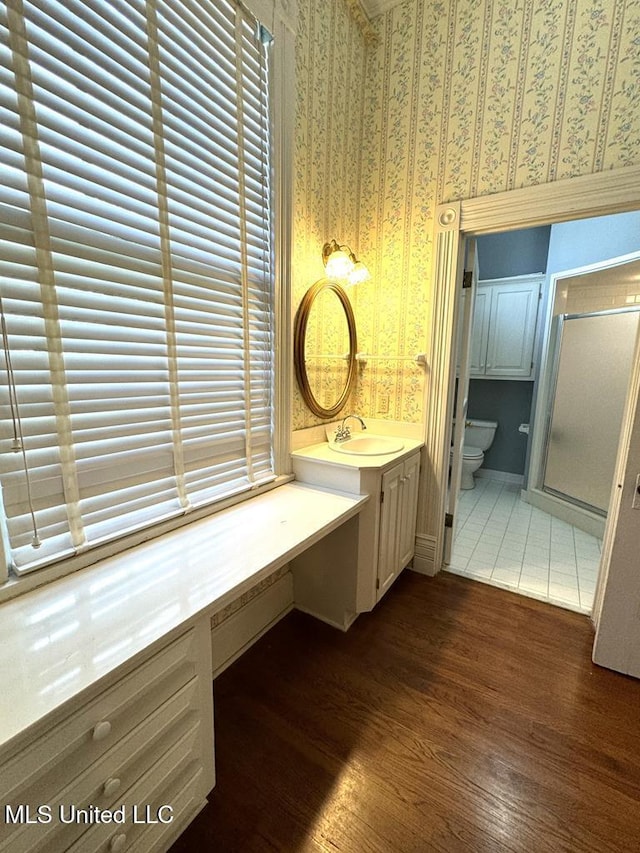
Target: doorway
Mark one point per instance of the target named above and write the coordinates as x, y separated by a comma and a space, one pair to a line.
538, 549
617, 596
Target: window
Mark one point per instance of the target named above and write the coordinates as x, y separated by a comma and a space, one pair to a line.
136, 265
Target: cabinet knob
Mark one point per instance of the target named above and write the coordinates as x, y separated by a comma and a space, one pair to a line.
118, 842
101, 730
111, 786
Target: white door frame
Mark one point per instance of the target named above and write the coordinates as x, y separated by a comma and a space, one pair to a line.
615, 610
614, 191
462, 361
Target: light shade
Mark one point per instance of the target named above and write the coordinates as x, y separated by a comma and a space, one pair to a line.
358, 274
341, 263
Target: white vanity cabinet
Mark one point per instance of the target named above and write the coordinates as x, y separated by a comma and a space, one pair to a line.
142, 746
338, 579
399, 506
504, 328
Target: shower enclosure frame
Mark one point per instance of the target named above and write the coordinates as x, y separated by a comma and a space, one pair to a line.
534, 493
555, 366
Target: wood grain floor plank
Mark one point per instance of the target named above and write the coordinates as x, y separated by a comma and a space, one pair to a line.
455, 717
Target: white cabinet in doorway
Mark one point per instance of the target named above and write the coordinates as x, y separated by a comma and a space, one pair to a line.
504, 327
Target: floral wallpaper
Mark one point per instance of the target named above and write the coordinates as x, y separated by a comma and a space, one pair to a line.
452, 99
330, 74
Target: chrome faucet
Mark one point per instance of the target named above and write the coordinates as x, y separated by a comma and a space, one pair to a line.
343, 433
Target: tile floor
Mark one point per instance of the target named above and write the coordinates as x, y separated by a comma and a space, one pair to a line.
503, 541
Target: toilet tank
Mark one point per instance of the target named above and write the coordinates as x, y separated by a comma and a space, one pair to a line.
479, 433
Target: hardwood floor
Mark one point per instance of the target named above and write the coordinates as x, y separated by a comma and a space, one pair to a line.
455, 717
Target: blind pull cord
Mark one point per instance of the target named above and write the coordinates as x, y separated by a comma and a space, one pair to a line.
29, 128
266, 39
17, 445
246, 349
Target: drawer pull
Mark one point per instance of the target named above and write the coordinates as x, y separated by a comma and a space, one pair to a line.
101, 730
111, 786
118, 842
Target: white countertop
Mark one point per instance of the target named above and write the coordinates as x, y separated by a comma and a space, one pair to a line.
59, 640
322, 452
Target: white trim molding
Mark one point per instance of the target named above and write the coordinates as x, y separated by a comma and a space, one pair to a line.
424, 556
614, 191
617, 597
272, 13
287, 12
284, 23
438, 403
280, 17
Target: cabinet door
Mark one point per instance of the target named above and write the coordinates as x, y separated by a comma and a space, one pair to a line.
389, 542
408, 510
479, 332
512, 326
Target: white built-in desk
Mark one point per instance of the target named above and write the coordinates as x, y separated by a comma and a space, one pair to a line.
90, 652
57, 641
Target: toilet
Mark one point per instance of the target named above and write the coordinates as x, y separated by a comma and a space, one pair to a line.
478, 437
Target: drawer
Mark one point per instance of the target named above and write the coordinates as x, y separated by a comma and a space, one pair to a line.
71, 746
187, 800
116, 771
176, 780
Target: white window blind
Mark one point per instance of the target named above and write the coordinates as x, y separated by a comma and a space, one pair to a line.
135, 265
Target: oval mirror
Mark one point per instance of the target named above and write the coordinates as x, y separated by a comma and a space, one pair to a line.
325, 348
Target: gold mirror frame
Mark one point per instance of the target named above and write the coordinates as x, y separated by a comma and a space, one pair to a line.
300, 329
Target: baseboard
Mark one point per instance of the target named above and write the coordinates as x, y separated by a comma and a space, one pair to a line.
241, 630
350, 618
424, 558
567, 512
500, 476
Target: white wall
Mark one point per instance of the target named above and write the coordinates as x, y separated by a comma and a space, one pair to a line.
513, 252
589, 241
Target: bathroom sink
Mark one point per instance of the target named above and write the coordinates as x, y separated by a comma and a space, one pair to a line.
368, 445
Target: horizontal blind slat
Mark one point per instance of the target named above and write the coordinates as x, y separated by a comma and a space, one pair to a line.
89, 68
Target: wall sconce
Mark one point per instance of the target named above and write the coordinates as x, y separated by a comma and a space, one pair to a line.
341, 263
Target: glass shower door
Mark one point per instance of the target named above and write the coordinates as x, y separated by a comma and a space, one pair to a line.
593, 365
